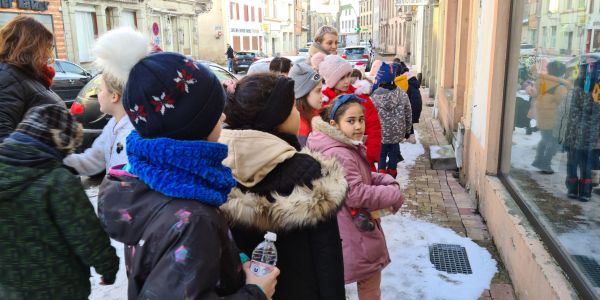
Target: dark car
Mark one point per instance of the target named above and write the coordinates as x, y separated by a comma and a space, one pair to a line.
243, 60
86, 108
69, 80
358, 54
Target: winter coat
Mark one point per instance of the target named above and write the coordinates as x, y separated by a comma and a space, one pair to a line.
305, 128
395, 114
49, 233
372, 123
296, 195
175, 248
108, 149
552, 91
364, 252
20, 91
230, 53
583, 121
416, 102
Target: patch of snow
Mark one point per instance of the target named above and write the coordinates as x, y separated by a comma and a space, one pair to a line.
411, 275
410, 152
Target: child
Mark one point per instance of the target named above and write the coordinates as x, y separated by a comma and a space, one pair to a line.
108, 149
50, 234
338, 133
395, 114
409, 83
336, 72
163, 205
325, 41
280, 66
293, 194
307, 91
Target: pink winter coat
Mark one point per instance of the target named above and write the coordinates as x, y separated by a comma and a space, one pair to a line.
364, 252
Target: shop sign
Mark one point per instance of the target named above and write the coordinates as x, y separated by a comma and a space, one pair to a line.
412, 2
26, 4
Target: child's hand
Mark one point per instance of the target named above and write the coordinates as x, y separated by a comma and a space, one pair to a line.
267, 283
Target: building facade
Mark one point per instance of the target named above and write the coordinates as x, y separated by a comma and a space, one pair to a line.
322, 12
499, 106
349, 24
366, 20
279, 27
47, 12
243, 25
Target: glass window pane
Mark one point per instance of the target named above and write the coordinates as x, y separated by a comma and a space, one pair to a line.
555, 142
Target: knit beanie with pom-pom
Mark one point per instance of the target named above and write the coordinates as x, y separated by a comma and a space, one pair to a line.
333, 68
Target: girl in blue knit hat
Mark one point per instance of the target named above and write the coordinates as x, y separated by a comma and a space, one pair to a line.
164, 204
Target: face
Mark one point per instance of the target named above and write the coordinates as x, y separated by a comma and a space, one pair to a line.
292, 123
342, 85
216, 132
352, 122
330, 43
107, 99
315, 96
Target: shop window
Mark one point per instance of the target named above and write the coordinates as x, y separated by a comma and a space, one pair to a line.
87, 31
551, 162
255, 43
128, 19
246, 41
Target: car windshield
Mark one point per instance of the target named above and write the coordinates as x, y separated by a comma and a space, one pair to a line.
246, 55
355, 50
525, 46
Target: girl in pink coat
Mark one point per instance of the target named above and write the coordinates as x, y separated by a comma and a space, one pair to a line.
339, 132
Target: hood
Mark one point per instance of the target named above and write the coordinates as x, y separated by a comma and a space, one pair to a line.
20, 165
253, 154
414, 82
126, 206
547, 82
385, 98
402, 82
303, 207
324, 137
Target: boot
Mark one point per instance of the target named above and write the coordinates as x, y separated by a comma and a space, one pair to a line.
393, 172
572, 187
585, 189
595, 177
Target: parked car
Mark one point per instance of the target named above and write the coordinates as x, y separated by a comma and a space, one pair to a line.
69, 80
527, 50
262, 65
357, 54
86, 108
303, 52
243, 60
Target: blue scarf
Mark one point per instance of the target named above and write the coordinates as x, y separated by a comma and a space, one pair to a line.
181, 169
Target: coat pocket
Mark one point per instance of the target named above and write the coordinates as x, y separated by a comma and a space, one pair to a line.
372, 245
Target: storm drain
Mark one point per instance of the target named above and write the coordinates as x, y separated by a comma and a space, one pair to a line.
450, 258
590, 267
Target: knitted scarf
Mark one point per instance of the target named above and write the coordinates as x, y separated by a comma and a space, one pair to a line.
48, 73
181, 169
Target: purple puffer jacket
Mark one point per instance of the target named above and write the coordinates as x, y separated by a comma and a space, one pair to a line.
364, 252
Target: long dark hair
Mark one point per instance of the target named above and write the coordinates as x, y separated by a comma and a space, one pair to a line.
305, 110
27, 44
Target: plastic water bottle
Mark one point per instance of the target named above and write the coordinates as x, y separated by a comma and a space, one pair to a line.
264, 256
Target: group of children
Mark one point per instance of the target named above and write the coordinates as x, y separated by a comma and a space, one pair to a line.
197, 188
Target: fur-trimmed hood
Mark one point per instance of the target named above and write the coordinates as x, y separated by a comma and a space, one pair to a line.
319, 125
303, 207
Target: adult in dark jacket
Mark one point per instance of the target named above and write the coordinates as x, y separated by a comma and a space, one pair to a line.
163, 205
230, 55
294, 194
25, 76
49, 233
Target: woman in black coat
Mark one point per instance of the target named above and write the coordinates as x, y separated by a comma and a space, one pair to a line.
280, 189
26, 47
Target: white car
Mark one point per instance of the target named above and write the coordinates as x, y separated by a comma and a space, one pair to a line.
303, 52
262, 65
528, 50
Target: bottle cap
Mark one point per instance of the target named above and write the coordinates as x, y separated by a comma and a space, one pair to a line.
270, 236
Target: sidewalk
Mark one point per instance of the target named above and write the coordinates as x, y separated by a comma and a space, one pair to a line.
436, 196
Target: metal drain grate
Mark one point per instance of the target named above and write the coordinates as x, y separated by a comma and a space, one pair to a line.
450, 258
590, 267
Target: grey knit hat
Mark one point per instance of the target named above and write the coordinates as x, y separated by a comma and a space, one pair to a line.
305, 79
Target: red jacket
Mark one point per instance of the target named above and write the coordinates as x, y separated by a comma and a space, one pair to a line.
372, 123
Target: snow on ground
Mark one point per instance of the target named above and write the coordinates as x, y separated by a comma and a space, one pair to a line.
410, 152
411, 275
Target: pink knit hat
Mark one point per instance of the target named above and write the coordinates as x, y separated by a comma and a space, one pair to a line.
333, 68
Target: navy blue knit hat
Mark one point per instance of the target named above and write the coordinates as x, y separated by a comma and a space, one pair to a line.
169, 95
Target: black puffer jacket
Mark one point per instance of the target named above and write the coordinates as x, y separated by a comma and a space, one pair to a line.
175, 248
416, 102
20, 91
296, 195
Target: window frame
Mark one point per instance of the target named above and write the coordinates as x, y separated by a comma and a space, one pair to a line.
575, 275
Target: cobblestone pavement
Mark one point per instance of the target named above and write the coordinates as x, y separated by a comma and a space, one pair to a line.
438, 197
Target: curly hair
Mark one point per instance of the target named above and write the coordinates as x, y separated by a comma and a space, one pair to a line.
27, 44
